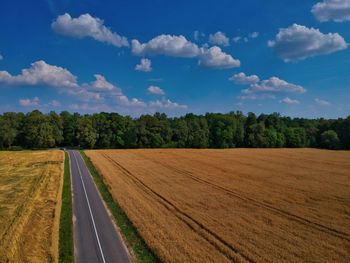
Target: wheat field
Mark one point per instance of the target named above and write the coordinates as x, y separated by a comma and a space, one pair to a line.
30, 192
237, 205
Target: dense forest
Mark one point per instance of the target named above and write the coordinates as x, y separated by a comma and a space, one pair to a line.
36, 130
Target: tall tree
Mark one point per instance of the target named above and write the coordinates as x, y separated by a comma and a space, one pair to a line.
86, 134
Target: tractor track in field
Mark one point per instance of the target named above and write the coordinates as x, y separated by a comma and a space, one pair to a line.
228, 250
281, 212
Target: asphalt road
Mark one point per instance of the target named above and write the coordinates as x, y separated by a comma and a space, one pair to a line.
95, 236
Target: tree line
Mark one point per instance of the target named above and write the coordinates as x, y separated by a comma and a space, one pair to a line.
36, 130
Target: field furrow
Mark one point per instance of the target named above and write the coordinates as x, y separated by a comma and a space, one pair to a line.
29, 205
217, 206
219, 243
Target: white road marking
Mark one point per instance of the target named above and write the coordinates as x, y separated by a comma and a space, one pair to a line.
92, 217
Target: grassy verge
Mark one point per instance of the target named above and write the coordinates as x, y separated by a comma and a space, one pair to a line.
134, 241
66, 225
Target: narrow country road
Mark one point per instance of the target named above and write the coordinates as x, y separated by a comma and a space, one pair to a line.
95, 236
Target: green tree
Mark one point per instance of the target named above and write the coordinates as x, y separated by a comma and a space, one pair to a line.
9, 125
130, 134
180, 133
56, 123
257, 135
69, 128
86, 134
38, 131
295, 137
343, 130
329, 140
198, 131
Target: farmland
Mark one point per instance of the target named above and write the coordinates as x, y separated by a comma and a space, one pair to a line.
30, 190
241, 205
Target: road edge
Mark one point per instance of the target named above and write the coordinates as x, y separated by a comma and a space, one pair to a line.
66, 247
135, 243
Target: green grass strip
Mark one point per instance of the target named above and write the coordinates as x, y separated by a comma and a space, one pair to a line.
66, 249
134, 240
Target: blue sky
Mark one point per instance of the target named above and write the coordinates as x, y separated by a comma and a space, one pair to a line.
137, 57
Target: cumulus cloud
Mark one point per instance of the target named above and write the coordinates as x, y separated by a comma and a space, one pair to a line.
100, 84
254, 34
246, 38
275, 84
264, 89
197, 35
29, 102
336, 10
155, 79
322, 102
40, 73
168, 45
155, 90
219, 38
237, 39
214, 57
242, 78
179, 46
289, 101
54, 103
87, 26
299, 42
96, 95
145, 65
166, 104
255, 96
125, 101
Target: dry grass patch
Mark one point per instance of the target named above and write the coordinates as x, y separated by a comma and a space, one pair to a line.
241, 205
30, 190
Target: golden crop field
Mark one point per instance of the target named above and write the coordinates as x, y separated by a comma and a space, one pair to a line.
240, 205
30, 188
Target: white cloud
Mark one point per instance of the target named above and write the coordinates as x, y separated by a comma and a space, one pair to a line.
336, 10
254, 34
289, 101
166, 104
299, 42
1, 57
179, 46
155, 90
29, 102
246, 38
40, 73
83, 94
98, 95
214, 57
100, 84
275, 84
237, 39
87, 26
264, 89
155, 80
255, 96
322, 102
125, 101
219, 38
168, 45
242, 78
145, 65
54, 103
197, 35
